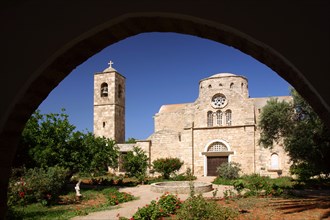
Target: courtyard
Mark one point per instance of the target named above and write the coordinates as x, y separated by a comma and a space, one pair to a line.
304, 204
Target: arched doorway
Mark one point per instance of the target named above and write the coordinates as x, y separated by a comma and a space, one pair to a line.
216, 153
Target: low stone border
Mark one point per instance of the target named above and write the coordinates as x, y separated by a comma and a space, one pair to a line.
180, 187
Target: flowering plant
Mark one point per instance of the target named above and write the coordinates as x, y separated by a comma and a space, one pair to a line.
167, 204
170, 203
115, 197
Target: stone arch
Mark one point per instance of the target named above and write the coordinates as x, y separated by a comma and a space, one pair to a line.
228, 153
47, 74
207, 146
79, 50
104, 89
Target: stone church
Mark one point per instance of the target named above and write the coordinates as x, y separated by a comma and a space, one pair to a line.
220, 126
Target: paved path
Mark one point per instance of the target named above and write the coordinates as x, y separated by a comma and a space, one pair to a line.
145, 196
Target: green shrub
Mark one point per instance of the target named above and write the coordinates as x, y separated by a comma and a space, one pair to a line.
238, 185
167, 166
284, 182
261, 185
37, 185
167, 204
135, 163
256, 184
229, 170
197, 208
150, 211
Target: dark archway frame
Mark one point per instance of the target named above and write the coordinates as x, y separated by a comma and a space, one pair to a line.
80, 49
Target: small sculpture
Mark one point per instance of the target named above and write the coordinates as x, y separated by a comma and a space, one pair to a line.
77, 188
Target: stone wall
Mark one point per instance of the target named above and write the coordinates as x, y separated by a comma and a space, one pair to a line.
109, 109
263, 155
182, 131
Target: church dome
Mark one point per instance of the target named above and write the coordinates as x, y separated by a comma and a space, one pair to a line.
222, 75
224, 82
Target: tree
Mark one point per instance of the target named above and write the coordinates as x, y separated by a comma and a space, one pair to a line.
131, 141
97, 154
136, 163
167, 166
50, 140
45, 140
305, 137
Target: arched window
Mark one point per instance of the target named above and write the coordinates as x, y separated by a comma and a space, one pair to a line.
231, 85
274, 161
242, 85
219, 117
209, 119
228, 117
217, 147
104, 90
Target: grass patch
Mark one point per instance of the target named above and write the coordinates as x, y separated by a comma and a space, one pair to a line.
282, 182
69, 206
223, 181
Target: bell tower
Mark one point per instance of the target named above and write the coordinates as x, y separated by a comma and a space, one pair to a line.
109, 104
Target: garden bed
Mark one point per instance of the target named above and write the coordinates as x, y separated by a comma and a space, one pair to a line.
273, 208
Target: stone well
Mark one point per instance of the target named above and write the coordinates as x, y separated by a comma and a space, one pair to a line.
180, 187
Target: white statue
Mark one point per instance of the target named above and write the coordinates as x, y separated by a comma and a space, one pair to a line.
77, 188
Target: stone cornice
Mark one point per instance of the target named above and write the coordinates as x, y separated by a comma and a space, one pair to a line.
221, 127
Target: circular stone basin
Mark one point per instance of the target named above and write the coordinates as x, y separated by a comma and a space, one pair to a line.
180, 187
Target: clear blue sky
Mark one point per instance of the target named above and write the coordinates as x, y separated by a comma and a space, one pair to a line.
160, 68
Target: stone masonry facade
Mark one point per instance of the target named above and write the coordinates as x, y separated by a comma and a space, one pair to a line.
220, 126
109, 104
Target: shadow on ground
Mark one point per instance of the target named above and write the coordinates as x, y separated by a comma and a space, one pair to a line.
305, 200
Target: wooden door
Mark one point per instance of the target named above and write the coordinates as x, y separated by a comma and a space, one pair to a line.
213, 163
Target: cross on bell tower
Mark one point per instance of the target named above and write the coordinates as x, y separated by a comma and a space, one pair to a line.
110, 64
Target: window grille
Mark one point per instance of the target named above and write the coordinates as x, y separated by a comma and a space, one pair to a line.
217, 147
